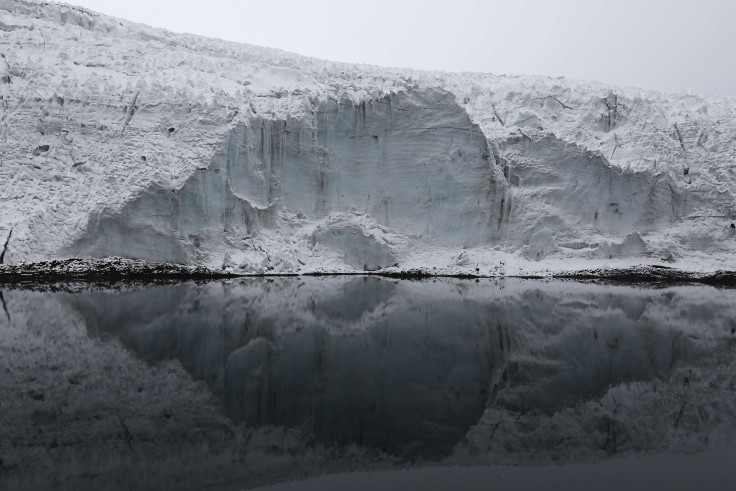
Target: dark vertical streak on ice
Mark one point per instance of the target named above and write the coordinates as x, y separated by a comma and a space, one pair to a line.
131, 110
5, 246
679, 137
43, 38
672, 201
495, 112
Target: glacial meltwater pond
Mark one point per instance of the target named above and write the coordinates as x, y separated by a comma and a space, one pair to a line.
434, 384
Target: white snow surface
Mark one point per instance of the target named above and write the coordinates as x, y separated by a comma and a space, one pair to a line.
122, 139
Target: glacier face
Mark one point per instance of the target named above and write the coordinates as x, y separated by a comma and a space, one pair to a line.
120, 139
412, 161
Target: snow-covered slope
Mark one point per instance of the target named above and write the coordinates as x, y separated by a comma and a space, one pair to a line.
121, 139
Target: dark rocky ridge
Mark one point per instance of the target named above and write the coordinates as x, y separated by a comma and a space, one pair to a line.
107, 269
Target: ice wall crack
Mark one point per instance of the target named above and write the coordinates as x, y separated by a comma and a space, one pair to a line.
5, 246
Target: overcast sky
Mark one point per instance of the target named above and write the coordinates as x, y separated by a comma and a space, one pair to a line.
670, 45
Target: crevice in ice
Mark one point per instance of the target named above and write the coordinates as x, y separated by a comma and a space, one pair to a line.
612, 105
132, 108
5, 70
560, 102
498, 117
679, 137
5, 246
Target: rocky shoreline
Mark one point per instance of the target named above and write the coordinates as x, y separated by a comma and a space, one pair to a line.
653, 275
108, 269
117, 269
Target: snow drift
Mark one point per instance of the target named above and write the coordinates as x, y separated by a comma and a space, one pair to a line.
120, 139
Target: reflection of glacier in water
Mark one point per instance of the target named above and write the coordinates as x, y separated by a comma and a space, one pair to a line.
328, 374
416, 369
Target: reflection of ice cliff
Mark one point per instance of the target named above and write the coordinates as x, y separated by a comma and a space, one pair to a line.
498, 371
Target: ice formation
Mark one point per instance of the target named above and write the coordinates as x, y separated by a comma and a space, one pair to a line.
121, 139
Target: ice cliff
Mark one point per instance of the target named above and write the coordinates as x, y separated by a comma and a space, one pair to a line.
121, 139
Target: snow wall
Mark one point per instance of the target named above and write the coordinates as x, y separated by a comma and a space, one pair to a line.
412, 161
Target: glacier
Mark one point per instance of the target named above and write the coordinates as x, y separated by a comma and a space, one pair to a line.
120, 139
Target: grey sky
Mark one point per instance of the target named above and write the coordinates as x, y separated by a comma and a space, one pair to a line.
669, 45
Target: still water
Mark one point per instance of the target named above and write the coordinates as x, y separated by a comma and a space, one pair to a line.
243, 383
